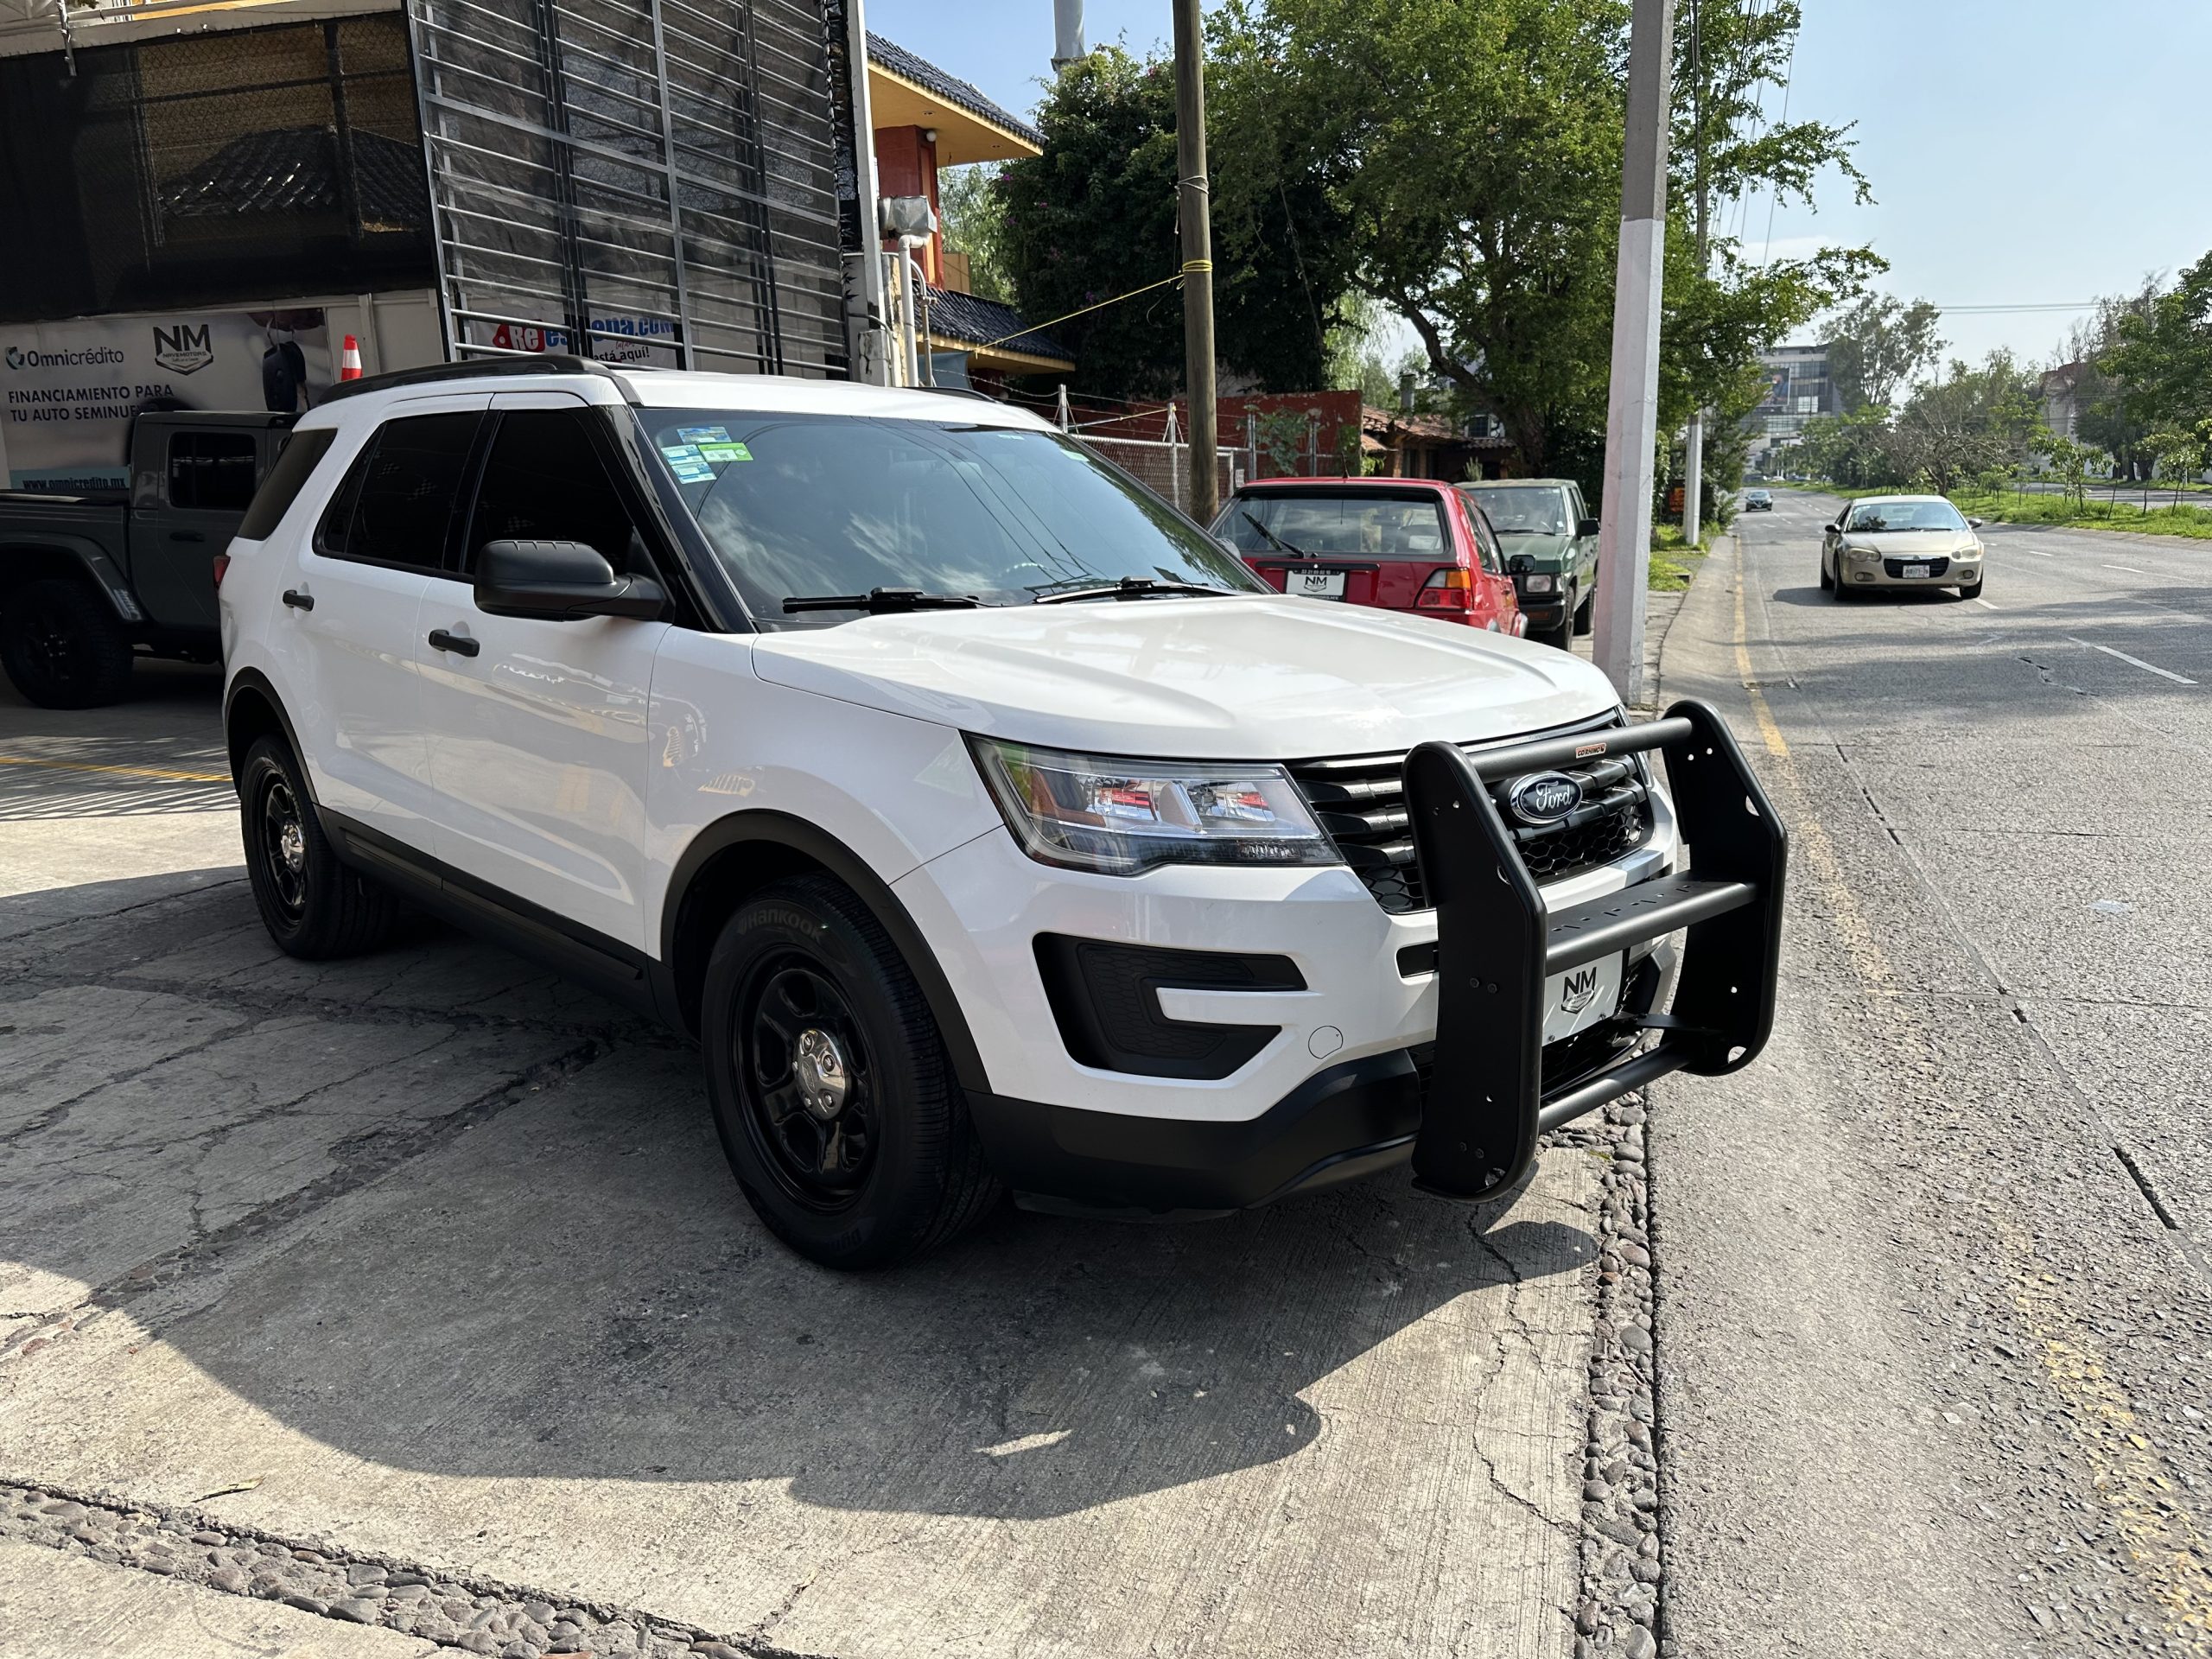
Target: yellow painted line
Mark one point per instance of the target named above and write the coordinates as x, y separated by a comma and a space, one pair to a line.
2163, 1538
117, 772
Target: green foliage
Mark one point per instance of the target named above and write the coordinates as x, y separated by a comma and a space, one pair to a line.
1879, 344
1469, 151
1970, 425
2162, 356
1094, 216
974, 218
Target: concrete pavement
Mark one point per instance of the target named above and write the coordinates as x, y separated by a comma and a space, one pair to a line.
426, 1265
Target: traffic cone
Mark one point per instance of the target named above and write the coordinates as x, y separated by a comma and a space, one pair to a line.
349, 359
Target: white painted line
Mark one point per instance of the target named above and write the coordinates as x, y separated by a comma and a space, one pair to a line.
2130, 569
2163, 673
1984, 603
2034, 553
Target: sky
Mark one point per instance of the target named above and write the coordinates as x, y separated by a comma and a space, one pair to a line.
2021, 152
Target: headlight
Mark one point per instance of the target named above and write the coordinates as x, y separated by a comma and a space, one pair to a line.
1119, 818
1537, 582
1861, 553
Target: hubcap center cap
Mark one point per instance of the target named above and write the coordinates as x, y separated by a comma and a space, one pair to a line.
824, 1075
291, 848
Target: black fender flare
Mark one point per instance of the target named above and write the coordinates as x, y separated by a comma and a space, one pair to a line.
253, 680
764, 829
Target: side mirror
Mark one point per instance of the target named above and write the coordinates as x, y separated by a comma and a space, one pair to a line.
1520, 564
561, 582
1837, 525
1585, 527
1974, 524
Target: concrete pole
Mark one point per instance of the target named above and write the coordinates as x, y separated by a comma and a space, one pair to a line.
1694, 439
1069, 43
1632, 403
1193, 207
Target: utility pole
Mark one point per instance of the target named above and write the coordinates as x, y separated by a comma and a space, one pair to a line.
1693, 442
1632, 403
1192, 202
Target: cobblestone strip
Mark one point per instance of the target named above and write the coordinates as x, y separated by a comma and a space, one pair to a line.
1618, 1610
467, 1614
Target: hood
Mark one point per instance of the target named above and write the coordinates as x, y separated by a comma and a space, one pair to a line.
1547, 551
1261, 678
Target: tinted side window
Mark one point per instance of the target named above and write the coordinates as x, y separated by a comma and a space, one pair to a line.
285, 480
211, 472
397, 505
544, 481
1486, 542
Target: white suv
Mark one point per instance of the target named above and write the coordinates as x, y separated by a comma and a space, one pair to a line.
987, 823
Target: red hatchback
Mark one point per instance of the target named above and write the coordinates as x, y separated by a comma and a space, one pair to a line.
1397, 544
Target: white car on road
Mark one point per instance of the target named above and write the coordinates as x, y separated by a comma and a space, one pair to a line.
1901, 541
988, 824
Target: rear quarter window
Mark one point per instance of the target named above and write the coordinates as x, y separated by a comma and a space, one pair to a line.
294, 464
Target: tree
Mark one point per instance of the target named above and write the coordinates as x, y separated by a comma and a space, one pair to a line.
1470, 151
1094, 217
2161, 355
2106, 415
1877, 345
974, 218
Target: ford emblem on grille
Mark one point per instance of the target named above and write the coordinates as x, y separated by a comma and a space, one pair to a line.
1543, 797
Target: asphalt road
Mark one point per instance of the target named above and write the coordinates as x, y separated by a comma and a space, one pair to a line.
1934, 1317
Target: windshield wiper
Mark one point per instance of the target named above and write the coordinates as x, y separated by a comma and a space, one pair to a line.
1130, 588
880, 602
1274, 540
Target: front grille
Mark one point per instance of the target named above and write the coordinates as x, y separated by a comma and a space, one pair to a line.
1936, 567
1361, 802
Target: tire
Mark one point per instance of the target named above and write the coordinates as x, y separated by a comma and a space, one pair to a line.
1827, 581
1966, 593
1585, 612
1562, 637
1843, 593
831, 1092
63, 647
314, 906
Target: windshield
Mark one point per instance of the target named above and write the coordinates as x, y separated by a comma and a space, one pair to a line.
1873, 516
1368, 525
1524, 512
802, 505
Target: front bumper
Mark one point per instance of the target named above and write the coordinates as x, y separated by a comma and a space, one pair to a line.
1404, 1077
1887, 570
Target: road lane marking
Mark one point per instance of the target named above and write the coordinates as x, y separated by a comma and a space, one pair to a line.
2164, 673
2035, 553
1984, 603
2130, 569
2131, 1473
119, 772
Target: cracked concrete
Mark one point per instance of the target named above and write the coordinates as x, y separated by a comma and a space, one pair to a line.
433, 1257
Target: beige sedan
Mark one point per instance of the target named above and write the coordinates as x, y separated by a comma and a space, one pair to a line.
1901, 541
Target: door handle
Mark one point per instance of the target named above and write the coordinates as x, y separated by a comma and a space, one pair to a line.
455, 642
298, 601
186, 536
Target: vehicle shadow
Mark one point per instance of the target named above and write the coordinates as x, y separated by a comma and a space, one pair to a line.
556, 1278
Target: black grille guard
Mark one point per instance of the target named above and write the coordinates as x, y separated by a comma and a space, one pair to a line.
1497, 943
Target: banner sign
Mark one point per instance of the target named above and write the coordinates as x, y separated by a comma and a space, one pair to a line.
68, 390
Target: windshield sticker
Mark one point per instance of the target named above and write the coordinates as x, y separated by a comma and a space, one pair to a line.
724, 452
703, 433
686, 463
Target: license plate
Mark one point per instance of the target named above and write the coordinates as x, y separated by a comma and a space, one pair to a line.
1315, 584
1582, 997
1914, 570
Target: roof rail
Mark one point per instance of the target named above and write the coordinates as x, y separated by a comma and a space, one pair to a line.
431, 374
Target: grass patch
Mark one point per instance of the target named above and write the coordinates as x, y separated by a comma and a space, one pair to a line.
1674, 561
2056, 511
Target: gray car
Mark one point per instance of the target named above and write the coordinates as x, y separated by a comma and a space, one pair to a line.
1901, 541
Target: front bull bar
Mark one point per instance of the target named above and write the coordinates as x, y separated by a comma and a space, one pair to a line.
1497, 945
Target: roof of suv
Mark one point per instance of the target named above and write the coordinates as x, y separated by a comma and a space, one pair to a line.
685, 389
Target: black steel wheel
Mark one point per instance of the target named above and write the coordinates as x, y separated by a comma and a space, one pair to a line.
312, 905
63, 647
831, 1090
807, 1080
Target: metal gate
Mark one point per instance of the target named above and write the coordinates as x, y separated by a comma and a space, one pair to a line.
660, 181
